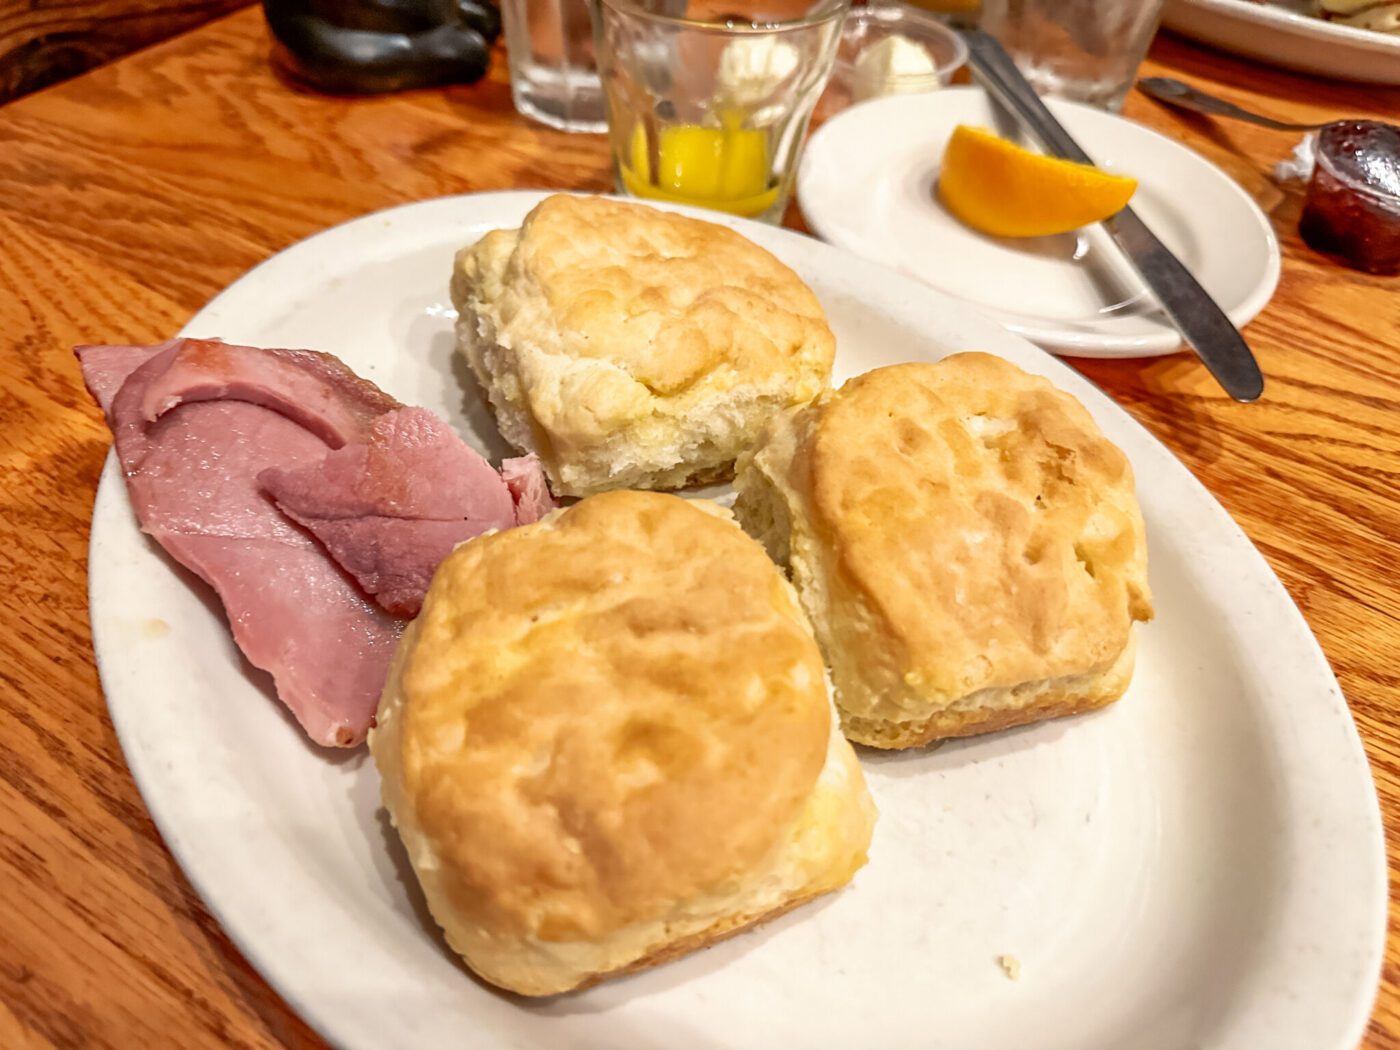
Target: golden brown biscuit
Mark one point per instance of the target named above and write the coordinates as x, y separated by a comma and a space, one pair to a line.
966, 542
632, 347
608, 740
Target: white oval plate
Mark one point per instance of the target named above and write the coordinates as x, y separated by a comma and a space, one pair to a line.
1282, 35
867, 184
1200, 865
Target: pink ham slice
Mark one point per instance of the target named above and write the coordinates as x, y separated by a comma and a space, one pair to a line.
106, 368
312, 389
266, 440
524, 476
192, 478
391, 508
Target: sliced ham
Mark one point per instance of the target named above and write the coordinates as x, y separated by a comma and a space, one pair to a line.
106, 368
524, 476
391, 508
312, 389
192, 478
303, 495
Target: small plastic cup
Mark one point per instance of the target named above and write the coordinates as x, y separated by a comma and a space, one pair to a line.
890, 49
1352, 210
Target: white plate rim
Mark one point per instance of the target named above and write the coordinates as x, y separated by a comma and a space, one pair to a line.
1067, 342
1150, 457
1319, 30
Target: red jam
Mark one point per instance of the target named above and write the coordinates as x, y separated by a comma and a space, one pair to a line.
1352, 209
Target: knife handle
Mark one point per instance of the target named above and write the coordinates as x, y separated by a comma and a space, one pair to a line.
1195, 314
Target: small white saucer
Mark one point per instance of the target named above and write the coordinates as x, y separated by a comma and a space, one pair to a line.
867, 184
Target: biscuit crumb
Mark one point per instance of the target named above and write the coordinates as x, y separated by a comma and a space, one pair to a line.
155, 627
1011, 966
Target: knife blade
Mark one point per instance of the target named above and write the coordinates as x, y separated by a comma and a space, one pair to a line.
1199, 319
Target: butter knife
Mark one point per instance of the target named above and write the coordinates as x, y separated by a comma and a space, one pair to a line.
1201, 322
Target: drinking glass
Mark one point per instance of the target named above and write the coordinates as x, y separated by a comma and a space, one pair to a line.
1086, 50
890, 49
553, 79
708, 100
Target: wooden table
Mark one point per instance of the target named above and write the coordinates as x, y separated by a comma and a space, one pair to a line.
44, 42
132, 194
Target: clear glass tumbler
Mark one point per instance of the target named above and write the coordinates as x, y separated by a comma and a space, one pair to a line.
1085, 50
553, 78
890, 49
708, 100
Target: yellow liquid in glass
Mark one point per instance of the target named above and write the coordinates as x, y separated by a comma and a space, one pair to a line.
724, 168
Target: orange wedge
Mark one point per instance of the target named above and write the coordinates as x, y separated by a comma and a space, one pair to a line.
997, 187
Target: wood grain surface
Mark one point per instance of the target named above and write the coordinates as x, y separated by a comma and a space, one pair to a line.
44, 41
134, 193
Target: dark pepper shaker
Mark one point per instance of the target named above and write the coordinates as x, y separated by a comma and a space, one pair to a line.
356, 47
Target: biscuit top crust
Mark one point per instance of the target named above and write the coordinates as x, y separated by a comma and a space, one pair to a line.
982, 518
607, 715
671, 300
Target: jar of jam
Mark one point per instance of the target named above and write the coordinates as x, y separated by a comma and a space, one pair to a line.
1352, 208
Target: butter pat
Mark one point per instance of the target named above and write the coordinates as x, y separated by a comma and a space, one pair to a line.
894, 66
752, 68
